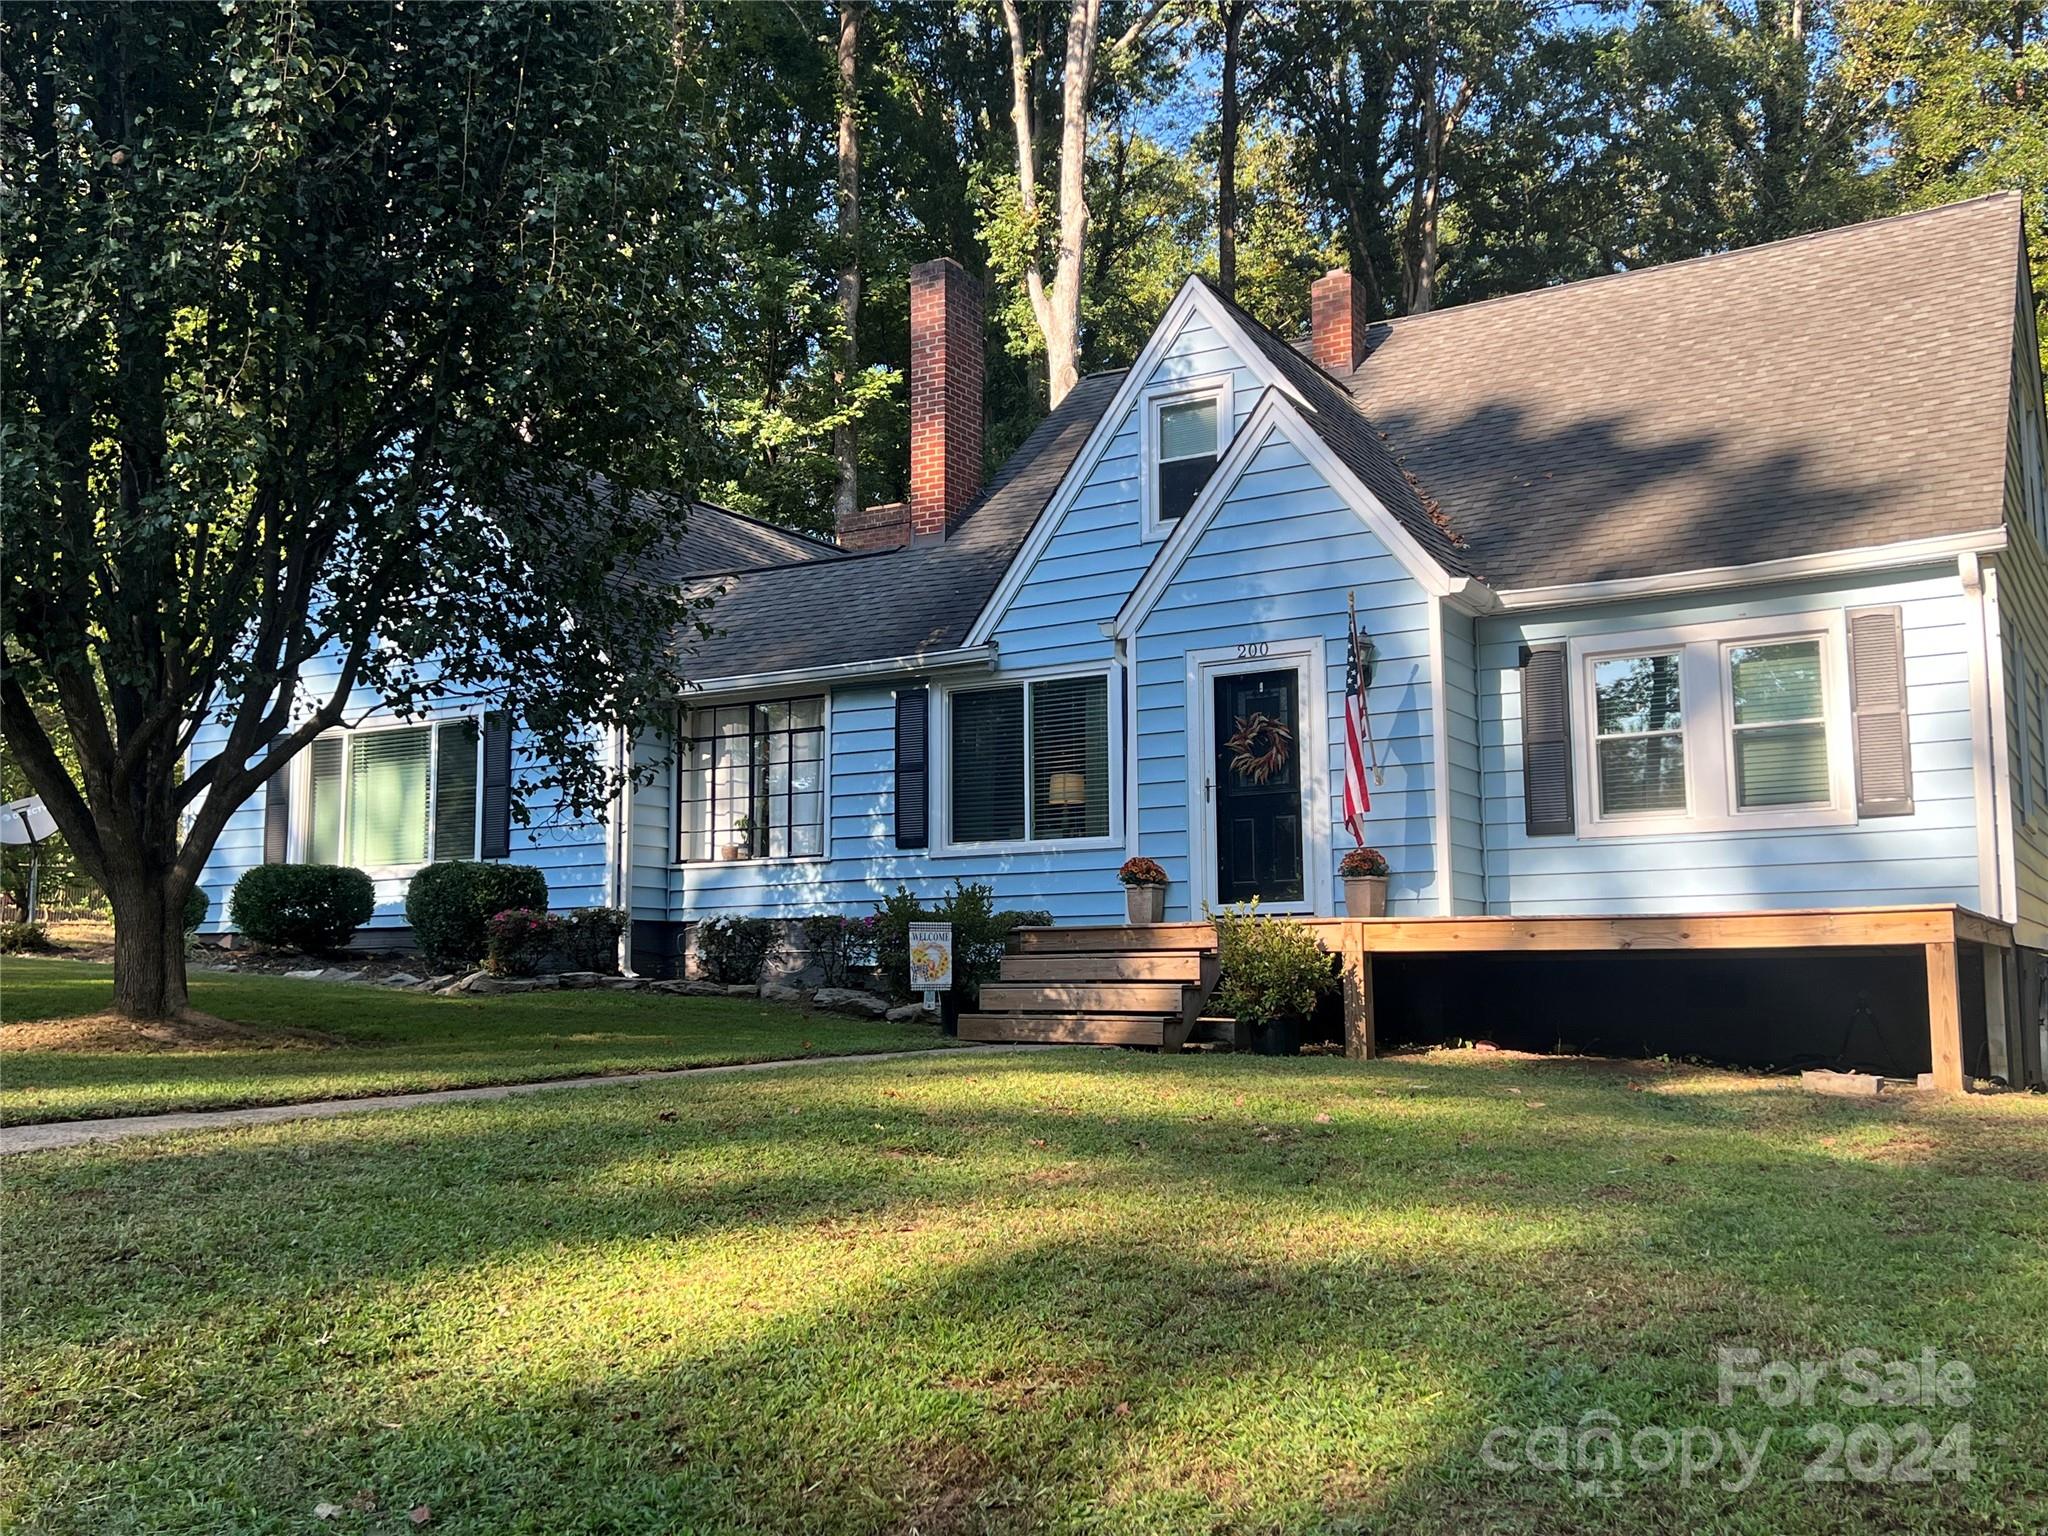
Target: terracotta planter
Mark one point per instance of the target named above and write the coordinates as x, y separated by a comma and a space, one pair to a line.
1145, 903
1365, 896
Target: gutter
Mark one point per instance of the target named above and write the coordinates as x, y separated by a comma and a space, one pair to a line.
1881, 557
891, 666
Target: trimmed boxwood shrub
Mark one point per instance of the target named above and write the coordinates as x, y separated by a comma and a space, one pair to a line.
195, 909
302, 906
449, 905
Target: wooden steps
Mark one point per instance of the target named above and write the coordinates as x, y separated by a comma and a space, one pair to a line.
1119, 985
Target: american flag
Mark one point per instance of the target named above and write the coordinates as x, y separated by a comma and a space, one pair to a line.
1357, 729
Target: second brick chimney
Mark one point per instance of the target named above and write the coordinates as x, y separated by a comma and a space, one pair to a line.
1338, 322
946, 366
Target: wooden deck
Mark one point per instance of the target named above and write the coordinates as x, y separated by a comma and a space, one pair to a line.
1948, 936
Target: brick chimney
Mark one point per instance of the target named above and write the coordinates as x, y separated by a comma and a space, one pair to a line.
946, 365
1338, 322
886, 526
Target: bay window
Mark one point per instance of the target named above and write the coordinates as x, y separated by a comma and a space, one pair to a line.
1029, 761
753, 780
394, 798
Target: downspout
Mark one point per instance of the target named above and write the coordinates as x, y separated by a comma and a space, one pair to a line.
1990, 746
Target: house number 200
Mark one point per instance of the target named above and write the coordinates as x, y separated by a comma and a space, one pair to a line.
1247, 649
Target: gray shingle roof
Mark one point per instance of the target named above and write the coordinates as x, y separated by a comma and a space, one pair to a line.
900, 602
1837, 390
716, 539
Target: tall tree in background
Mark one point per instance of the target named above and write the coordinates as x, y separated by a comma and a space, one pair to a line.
846, 434
1230, 21
312, 315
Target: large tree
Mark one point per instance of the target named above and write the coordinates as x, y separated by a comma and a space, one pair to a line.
316, 320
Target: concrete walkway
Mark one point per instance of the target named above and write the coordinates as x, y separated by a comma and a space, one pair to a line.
76, 1133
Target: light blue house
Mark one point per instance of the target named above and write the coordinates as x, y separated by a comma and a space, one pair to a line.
1717, 587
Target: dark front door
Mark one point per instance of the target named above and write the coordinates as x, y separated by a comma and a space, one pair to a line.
1257, 778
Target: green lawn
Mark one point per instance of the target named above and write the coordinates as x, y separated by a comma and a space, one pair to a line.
391, 1041
1066, 1292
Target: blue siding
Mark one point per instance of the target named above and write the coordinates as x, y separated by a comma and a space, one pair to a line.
1462, 775
1930, 855
571, 853
1275, 565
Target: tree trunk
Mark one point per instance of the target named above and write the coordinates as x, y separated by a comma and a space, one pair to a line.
1226, 153
846, 435
149, 944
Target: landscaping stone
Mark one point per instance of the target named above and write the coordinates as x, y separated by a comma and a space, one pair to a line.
776, 992
582, 981
912, 1013
846, 1000
741, 989
439, 983
401, 979
625, 983
336, 973
313, 975
688, 988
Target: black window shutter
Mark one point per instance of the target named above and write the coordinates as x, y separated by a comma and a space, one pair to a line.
497, 785
913, 771
277, 817
1877, 704
1546, 741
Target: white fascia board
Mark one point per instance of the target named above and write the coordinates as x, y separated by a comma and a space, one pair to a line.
889, 666
1195, 298
1940, 550
1276, 416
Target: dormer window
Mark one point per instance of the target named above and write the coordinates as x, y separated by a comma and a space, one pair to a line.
1186, 428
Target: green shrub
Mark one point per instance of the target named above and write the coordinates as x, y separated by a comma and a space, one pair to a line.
521, 941
981, 937
196, 906
840, 946
590, 939
733, 949
302, 906
449, 904
24, 938
1272, 967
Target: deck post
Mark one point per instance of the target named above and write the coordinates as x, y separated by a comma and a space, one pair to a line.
1998, 1011
1361, 1042
1945, 1016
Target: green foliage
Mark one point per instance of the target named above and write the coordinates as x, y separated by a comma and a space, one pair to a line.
521, 941
196, 907
1272, 967
981, 937
22, 938
590, 939
314, 907
839, 946
734, 949
448, 905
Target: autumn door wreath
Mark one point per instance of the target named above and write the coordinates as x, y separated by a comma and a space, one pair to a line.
1259, 747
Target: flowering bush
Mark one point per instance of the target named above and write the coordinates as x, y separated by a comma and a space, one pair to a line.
518, 941
734, 949
1141, 872
1363, 863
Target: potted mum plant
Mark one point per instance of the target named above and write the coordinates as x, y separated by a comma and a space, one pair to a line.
1273, 971
1144, 885
1364, 873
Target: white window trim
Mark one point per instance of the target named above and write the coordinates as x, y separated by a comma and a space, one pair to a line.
940, 760
1707, 711
680, 829
302, 792
1219, 387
